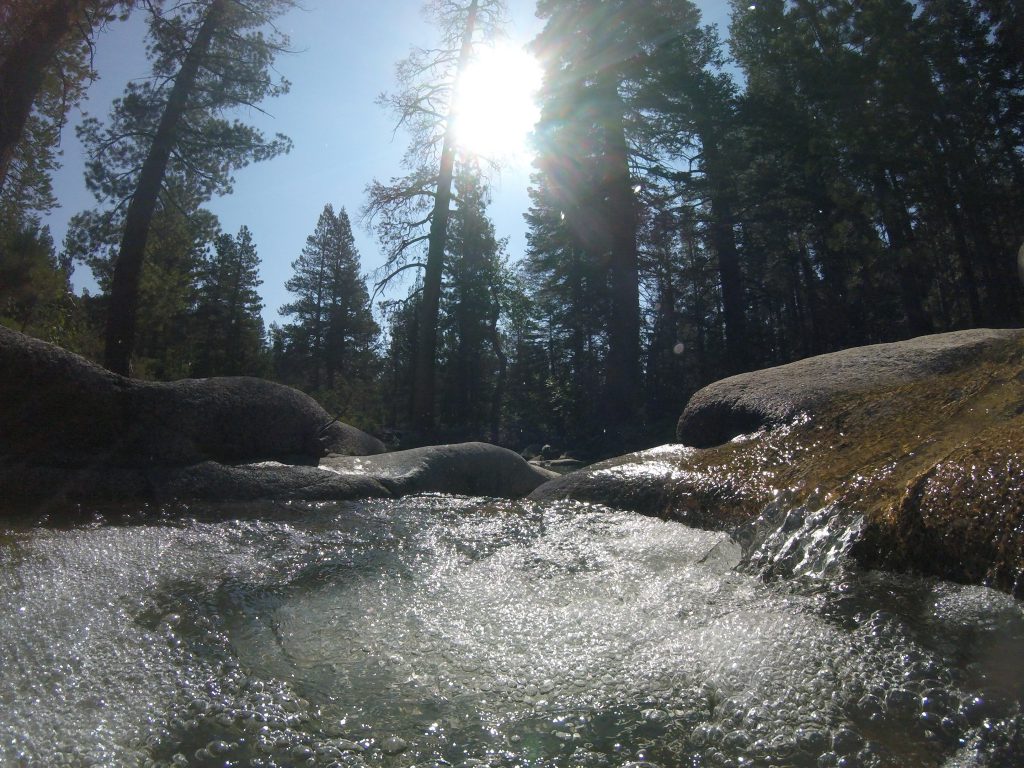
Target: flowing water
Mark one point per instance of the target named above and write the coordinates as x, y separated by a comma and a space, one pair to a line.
440, 631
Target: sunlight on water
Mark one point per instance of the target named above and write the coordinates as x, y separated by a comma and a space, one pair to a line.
441, 630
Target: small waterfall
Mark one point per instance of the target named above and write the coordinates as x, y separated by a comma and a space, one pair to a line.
790, 540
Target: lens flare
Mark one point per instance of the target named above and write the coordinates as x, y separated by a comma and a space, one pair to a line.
495, 106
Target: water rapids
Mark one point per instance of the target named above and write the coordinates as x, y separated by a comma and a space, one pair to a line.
439, 631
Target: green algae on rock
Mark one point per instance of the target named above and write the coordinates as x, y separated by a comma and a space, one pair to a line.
926, 451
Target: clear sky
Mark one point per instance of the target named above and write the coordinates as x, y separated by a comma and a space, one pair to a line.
345, 55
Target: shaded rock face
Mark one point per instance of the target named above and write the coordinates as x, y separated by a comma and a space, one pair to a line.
476, 469
72, 432
62, 410
926, 448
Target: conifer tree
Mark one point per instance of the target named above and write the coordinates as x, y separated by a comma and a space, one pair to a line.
569, 288
34, 284
175, 252
334, 331
471, 359
412, 212
588, 49
44, 47
227, 324
170, 142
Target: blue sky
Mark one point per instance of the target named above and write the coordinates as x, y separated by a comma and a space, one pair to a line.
346, 51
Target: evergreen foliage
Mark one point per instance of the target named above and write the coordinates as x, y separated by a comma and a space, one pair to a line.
171, 143
34, 285
855, 183
833, 173
471, 371
45, 50
228, 327
412, 212
330, 348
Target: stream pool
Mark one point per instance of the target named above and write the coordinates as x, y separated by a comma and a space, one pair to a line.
441, 630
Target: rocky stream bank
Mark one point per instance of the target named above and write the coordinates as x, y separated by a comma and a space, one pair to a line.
915, 446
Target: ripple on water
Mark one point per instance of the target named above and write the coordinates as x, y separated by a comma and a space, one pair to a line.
444, 630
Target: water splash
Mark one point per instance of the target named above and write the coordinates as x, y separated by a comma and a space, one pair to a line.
798, 541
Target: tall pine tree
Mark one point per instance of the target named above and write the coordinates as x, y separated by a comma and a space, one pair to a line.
227, 326
171, 143
411, 213
333, 336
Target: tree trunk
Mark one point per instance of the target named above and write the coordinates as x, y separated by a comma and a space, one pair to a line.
723, 242
721, 235
622, 380
896, 222
124, 291
426, 353
23, 69
498, 398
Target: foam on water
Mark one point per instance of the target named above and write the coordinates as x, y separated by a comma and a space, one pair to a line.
444, 630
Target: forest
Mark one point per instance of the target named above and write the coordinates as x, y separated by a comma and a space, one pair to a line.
819, 175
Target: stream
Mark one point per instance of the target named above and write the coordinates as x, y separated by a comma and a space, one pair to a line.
440, 630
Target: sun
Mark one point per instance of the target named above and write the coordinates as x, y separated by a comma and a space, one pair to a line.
495, 104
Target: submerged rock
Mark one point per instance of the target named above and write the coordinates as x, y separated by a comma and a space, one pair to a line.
921, 439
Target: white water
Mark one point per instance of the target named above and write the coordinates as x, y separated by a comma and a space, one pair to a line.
459, 630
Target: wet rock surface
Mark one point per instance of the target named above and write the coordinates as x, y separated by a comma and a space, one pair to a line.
473, 469
477, 469
923, 455
773, 396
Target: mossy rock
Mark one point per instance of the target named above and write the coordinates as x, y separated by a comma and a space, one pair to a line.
929, 455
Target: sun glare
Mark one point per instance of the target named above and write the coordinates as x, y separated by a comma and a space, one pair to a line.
495, 108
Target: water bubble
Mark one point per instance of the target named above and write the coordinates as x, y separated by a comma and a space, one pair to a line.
394, 745
594, 638
218, 748
301, 752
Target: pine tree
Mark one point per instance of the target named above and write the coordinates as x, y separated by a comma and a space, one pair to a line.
883, 125
44, 54
471, 365
177, 247
588, 51
226, 322
569, 287
34, 284
334, 332
170, 144
413, 211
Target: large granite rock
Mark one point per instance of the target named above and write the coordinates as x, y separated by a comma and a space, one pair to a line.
922, 440
747, 402
72, 432
473, 469
62, 410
